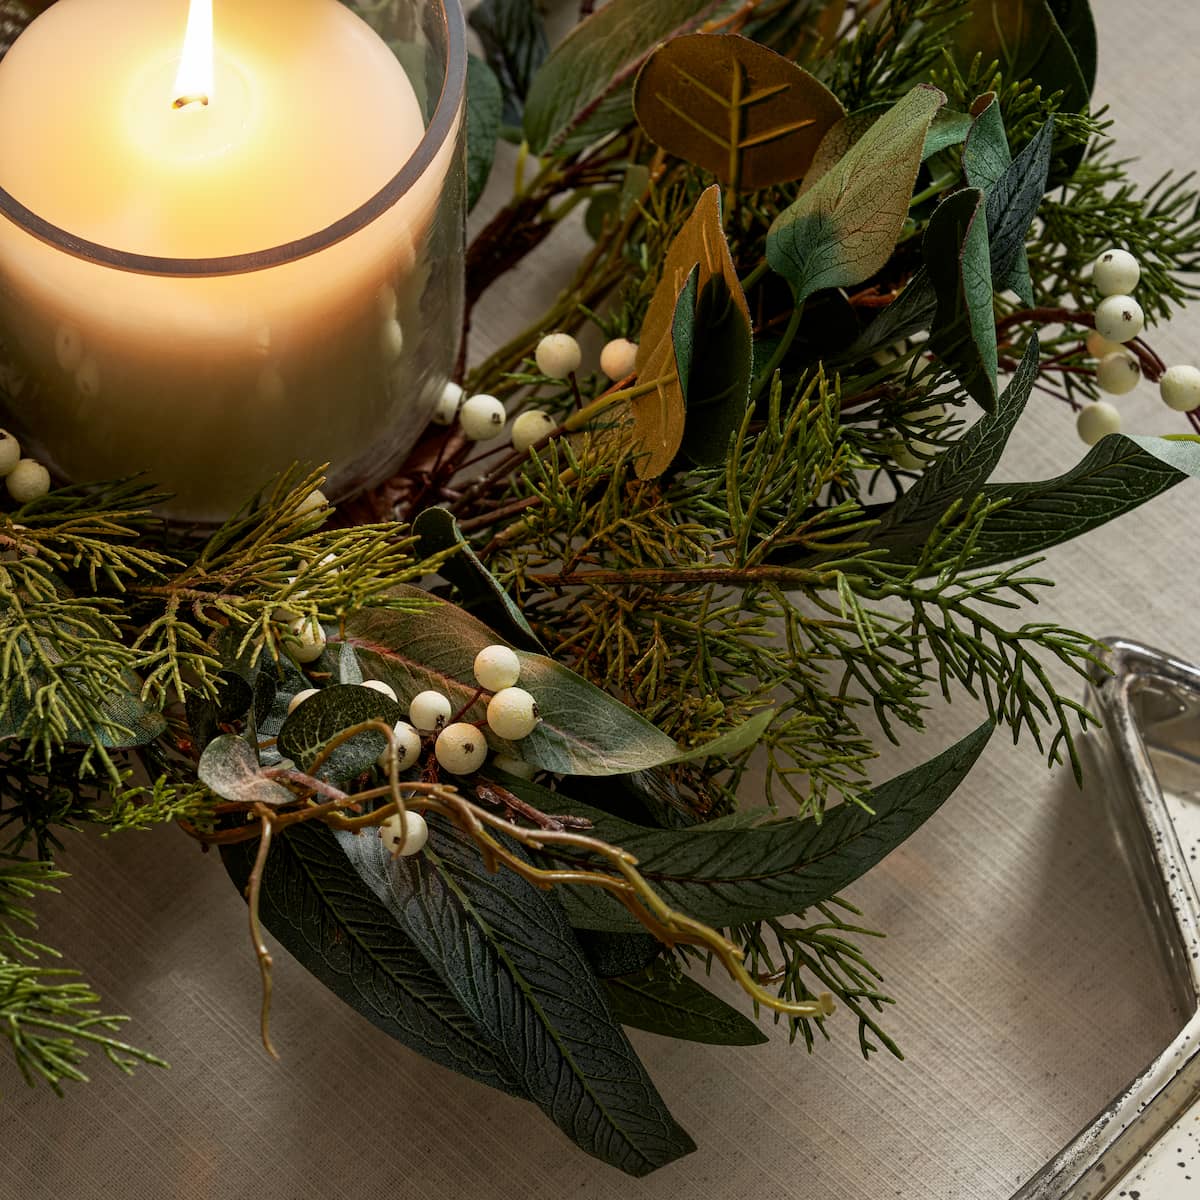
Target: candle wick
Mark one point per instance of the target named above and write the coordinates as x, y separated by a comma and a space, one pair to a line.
195, 98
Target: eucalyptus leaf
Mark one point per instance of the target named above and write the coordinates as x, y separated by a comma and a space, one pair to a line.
729, 875
321, 718
317, 907
504, 950
594, 66
485, 102
229, 767
844, 229
676, 1006
582, 730
128, 722
958, 264
436, 530
735, 108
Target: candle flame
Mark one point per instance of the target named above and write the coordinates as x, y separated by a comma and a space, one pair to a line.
194, 81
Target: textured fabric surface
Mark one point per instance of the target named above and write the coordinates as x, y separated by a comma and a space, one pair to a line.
1027, 988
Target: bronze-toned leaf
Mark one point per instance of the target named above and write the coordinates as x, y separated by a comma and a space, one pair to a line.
735, 108
659, 414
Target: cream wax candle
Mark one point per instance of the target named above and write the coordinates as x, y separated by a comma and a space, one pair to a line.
226, 252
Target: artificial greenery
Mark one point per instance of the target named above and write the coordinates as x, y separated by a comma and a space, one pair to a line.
849, 240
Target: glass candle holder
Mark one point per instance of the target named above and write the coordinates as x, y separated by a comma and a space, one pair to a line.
208, 289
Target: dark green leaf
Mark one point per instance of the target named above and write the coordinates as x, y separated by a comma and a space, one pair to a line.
676, 1006
514, 41
1013, 202
1028, 43
613, 954
583, 731
484, 105
595, 65
958, 266
317, 721
1075, 19
128, 722
960, 471
1119, 474
728, 875
716, 346
911, 312
844, 228
315, 905
436, 530
949, 128
229, 767
504, 949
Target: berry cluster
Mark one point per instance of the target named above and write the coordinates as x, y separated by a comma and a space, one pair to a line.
25, 478
459, 747
1119, 319
482, 418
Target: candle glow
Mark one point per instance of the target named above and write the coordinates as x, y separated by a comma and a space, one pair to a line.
194, 80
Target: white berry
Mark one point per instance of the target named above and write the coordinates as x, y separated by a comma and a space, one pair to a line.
1118, 373
377, 685
299, 698
530, 428
1096, 421
313, 502
391, 339
1116, 272
618, 360
461, 748
512, 714
1098, 347
408, 747
497, 668
1119, 319
558, 355
27, 481
10, 452
392, 834
1180, 388
449, 402
481, 417
429, 711
307, 641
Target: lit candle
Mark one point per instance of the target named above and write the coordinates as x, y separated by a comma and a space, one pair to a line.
118, 131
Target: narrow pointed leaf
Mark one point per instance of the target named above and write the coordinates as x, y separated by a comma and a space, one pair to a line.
504, 949
676, 1006
315, 905
484, 105
958, 265
728, 875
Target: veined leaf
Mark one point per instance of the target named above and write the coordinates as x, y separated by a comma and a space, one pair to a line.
315, 905
1075, 19
1120, 473
583, 730
484, 105
315, 723
844, 229
728, 875
734, 108
595, 65
659, 416
229, 767
676, 1006
958, 266
505, 951
962, 470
